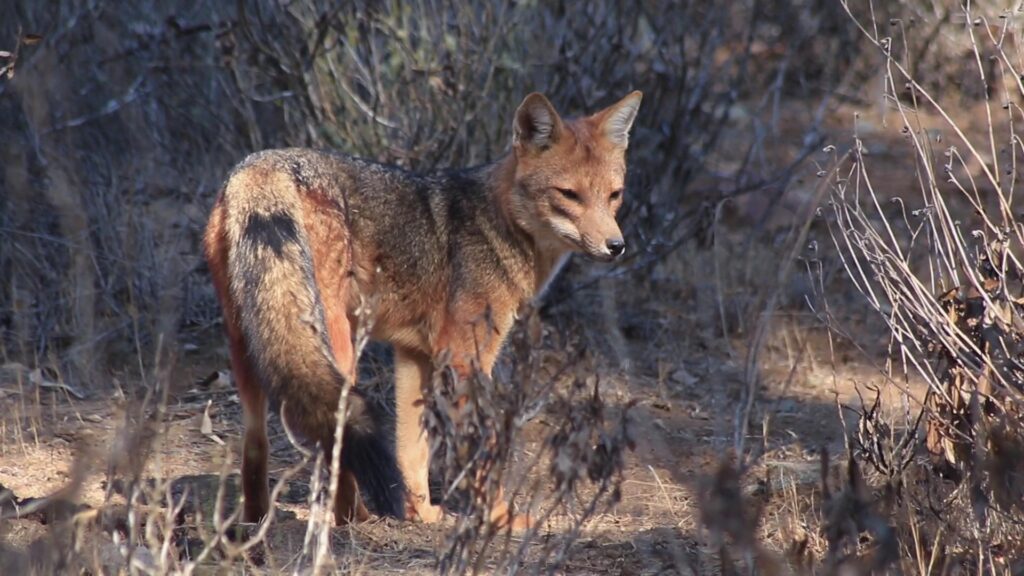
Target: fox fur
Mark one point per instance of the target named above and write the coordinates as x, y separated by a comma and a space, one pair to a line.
300, 239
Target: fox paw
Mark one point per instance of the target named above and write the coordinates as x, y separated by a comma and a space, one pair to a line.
422, 511
502, 517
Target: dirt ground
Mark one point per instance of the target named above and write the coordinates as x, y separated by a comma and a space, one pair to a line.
667, 354
682, 423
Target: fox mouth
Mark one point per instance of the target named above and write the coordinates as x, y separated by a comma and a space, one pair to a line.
607, 257
572, 240
589, 251
577, 243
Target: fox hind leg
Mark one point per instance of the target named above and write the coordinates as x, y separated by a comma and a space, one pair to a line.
255, 448
348, 506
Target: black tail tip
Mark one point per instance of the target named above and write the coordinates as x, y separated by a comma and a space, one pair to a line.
372, 460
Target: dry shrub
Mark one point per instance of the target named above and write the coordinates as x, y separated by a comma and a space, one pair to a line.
860, 540
576, 474
123, 122
149, 522
944, 271
941, 487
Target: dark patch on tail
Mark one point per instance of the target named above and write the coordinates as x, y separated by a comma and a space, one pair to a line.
274, 230
367, 452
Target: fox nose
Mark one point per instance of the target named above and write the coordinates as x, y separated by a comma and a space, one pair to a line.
616, 246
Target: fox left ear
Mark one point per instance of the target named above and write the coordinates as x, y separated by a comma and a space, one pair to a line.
537, 125
618, 118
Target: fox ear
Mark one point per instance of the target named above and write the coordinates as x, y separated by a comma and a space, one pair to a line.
537, 125
617, 119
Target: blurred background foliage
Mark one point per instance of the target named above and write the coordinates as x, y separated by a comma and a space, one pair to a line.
119, 121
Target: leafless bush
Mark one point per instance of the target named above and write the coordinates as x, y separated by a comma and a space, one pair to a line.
944, 271
575, 475
859, 539
929, 39
122, 123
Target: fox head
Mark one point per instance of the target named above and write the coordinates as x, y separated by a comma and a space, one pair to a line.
570, 174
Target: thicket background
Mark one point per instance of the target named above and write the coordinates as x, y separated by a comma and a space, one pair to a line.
121, 123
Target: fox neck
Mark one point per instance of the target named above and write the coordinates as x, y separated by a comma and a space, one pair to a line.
548, 256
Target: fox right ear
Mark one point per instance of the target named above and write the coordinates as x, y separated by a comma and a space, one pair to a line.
537, 125
618, 118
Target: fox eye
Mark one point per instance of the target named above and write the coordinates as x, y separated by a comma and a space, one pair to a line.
615, 195
569, 194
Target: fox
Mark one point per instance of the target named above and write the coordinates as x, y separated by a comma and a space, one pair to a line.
299, 239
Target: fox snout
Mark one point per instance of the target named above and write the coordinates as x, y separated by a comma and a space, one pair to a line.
605, 251
599, 236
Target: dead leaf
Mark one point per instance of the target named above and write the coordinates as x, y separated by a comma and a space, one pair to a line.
206, 427
218, 379
31, 39
683, 376
36, 378
999, 313
948, 295
223, 380
663, 405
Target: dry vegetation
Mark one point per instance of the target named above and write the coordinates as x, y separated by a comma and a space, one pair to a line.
811, 361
